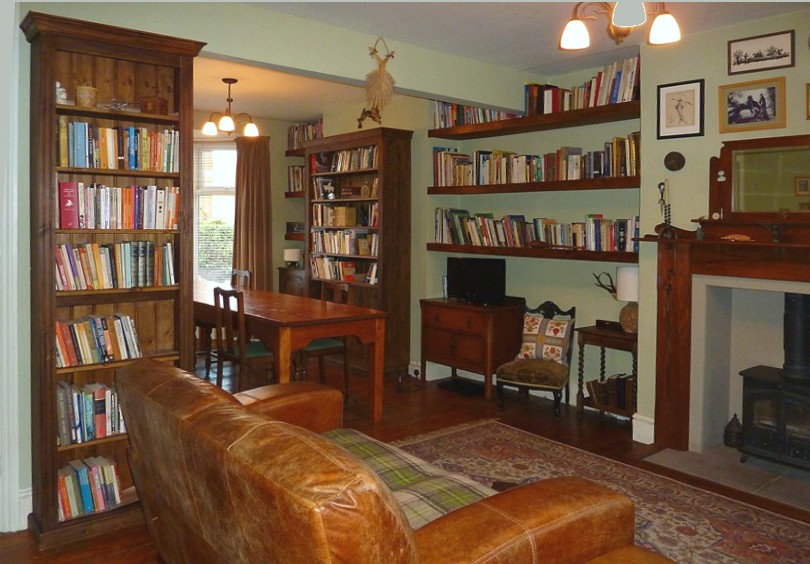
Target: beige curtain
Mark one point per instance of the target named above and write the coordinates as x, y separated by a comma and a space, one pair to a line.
252, 241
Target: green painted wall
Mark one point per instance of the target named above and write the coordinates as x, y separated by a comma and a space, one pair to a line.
233, 29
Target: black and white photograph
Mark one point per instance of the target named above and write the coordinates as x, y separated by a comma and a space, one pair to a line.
762, 52
759, 104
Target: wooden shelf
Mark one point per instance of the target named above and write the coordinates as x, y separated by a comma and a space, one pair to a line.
588, 402
558, 120
346, 172
118, 115
297, 194
561, 254
340, 256
608, 183
344, 227
117, 172
298, 152
109, 439
333, 201
163, 357
295, 236
115, 231
116, 295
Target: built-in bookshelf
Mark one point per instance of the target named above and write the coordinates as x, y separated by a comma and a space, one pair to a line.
468, 170
111, 245
358, 225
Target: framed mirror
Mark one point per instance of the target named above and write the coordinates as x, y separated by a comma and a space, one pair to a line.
765, 179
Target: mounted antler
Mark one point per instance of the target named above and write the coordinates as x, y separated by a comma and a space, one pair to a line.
610, 287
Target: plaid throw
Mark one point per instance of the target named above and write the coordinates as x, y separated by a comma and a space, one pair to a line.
424, 491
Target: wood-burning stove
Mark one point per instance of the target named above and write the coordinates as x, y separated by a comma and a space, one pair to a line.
776, 401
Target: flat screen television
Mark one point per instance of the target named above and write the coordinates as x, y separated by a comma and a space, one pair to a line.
476, 280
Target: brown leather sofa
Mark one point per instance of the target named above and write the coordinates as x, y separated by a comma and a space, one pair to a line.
247, 478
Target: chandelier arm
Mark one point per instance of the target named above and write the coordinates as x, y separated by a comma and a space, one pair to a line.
597, 8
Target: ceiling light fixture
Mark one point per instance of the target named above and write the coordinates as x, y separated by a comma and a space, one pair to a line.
227, 122
622, 17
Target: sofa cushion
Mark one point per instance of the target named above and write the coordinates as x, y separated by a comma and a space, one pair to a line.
424, 491
545, 338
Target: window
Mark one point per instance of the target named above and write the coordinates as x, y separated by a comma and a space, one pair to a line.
214, 209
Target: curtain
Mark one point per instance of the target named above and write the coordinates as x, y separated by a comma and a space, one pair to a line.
252, 241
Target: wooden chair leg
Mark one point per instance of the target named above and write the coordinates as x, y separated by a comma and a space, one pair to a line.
557, 400
220, 369
501, 399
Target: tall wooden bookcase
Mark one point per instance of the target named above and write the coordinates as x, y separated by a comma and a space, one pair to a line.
126, 66
369, 173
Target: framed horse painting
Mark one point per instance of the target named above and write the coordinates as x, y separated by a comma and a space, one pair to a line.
749, 106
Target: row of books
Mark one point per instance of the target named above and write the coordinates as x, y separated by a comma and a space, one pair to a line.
97, 206
82, 144
296, 175
325, 188
299, 133
448, 114
616, 83
359, 214
347, 242
129, 264
96, 339
348, 160
329, 268
621, 156
618, 390
87, 486
87, 413
458, 227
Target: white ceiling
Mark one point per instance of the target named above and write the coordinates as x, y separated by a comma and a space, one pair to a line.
520, 35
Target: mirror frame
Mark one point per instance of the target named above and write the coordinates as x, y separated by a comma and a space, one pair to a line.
721, 182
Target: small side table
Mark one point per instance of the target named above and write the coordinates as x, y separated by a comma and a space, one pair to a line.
605, 335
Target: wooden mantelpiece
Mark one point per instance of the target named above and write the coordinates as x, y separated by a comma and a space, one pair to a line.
767, 241
679, 258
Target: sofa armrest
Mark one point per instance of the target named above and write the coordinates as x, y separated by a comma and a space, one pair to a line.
557, 520
304, 404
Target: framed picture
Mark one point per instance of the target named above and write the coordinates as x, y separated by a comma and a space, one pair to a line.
747, 106
680, 109
802, 184
761, 52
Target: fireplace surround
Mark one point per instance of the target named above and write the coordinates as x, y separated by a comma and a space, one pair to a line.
728, 243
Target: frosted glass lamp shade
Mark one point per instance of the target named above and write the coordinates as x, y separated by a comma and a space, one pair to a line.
251, 130
627, 283
226, 123
210, 128
575, 36
629, 13
664, 30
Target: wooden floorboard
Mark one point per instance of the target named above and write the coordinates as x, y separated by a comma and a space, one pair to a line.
412, 408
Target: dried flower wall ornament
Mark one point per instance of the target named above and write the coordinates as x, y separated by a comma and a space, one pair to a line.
379, 85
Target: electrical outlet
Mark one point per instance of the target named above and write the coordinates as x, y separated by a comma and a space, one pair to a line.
413, 370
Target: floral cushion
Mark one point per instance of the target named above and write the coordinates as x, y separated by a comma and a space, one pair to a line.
546, 339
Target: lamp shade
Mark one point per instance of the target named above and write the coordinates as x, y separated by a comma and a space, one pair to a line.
292, 255
226, 123
210, 128
627, 283
575, 35
664, 30
251, 130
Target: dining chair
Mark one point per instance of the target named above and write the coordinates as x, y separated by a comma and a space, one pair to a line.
544, 360
240, 279
234, 344
336, 292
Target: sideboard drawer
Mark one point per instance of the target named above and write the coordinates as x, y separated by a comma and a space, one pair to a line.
455, 319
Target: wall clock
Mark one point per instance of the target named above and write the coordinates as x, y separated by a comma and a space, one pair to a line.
674, 160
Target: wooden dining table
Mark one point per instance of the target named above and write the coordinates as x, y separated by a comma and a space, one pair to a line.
286, 323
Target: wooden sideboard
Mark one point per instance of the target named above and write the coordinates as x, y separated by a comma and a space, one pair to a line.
471, 337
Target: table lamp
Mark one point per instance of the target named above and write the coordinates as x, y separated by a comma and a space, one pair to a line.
627, 291
292, 257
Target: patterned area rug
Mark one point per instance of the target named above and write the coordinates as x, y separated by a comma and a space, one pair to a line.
681, 522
